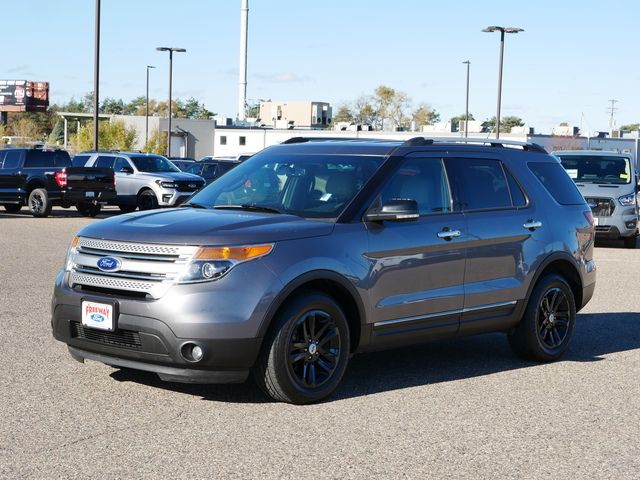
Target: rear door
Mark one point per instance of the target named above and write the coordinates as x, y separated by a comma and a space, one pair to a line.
11, 184
506, 230
417, 268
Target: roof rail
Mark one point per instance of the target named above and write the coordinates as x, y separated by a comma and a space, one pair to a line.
493, 142
332, 139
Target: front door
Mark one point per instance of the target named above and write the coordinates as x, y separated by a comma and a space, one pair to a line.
417, 267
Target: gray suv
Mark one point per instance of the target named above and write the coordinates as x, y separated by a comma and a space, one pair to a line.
314, 250
145, 181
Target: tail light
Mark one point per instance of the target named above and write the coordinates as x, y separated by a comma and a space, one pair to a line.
61, 178
589, 216
113, 175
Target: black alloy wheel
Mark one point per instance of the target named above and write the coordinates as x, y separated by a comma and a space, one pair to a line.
314, 349
546, 327
39, 204
553, 318
147, 200
305, 354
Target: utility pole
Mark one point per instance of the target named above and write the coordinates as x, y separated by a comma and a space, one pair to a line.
612, 110
96, 77
466, 111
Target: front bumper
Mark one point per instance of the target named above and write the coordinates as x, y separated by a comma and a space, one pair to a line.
171, 197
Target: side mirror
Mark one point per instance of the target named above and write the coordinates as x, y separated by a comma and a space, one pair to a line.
395, 210
126, 170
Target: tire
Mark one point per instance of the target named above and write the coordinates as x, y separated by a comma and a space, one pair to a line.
127, 208
147, 200
547, 325
12, 207
305, 354
630, 242
89, 209
39, 204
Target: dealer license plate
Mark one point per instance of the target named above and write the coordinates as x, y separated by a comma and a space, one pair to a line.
595, 221
89, 194
97, 315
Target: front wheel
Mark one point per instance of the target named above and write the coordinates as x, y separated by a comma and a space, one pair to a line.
147, 200
39, 204
547, 325
630, 242
305, 356
12, 207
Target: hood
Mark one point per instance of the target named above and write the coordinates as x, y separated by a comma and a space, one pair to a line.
170, 176
190, 226
605, 190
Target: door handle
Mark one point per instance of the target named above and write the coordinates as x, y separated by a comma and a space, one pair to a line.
532, 225
447, 234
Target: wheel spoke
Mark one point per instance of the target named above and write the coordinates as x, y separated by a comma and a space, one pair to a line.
295, 358
326, 366
312, 325
323, 329
555, 301
305, 331
312, 373
298, 346
328, 336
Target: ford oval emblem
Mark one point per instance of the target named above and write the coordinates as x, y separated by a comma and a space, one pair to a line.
96, 317
193, 185
109, 264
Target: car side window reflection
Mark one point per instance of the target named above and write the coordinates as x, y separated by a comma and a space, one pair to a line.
423, 180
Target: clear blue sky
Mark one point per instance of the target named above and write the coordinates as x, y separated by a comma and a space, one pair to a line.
572, 58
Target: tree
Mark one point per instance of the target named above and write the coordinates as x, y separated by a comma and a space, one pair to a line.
632, 127
425, 115
112, 106
455, 121
157, 143
506, 123
343, 114
364, 112
57, 134
27, 130
131, 108
111, 136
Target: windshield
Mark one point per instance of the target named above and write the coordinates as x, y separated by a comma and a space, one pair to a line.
310, 186
597, 168
153, 164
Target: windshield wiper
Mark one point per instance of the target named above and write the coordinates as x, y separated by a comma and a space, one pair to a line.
192, 205
248, 206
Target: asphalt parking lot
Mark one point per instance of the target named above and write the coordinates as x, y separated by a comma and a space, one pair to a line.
460, 409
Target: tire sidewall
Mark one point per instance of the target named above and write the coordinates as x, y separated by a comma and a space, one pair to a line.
42, 193
279, 351
539, 292
147, 200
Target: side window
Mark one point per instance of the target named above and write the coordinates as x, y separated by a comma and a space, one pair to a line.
423, 180
1, 158
12, 160
62, 159
242, 140
120, 163
209, 170
195, 169
556, 181
517, 195
482, 184
223, 140
80, 160
39, 159
104, 162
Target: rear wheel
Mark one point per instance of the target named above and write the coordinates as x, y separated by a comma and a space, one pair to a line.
305, 356
39, 204
12, 207
630, 242
88, 209
546, 328
147, 200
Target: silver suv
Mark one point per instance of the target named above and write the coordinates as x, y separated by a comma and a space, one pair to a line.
314, 250
143, 180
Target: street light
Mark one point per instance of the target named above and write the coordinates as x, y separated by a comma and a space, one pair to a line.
502, 31
466, 114
146, 128
170, 50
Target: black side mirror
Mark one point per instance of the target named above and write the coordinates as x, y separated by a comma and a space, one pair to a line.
395, 210
126, 170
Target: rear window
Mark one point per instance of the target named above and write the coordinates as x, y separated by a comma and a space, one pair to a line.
47, 158
555, 179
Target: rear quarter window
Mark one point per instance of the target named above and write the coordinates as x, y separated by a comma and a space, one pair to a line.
556, 181
45, 159
80, 160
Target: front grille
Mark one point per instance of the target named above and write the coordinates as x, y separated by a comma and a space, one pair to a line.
119, 338
601, 207
146, 269
183, 186
603, 228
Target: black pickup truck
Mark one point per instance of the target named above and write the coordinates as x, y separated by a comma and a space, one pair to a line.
43, 177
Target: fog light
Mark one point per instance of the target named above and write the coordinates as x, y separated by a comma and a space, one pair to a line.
196, 353
166, 198
630, 225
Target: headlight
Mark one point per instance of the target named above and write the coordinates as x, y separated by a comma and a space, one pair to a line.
166, 184
211, 263
628, 200
68, 261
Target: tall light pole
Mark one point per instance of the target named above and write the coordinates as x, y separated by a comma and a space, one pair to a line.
170, 50
146, 114
96, 77
466, 111
502, 31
